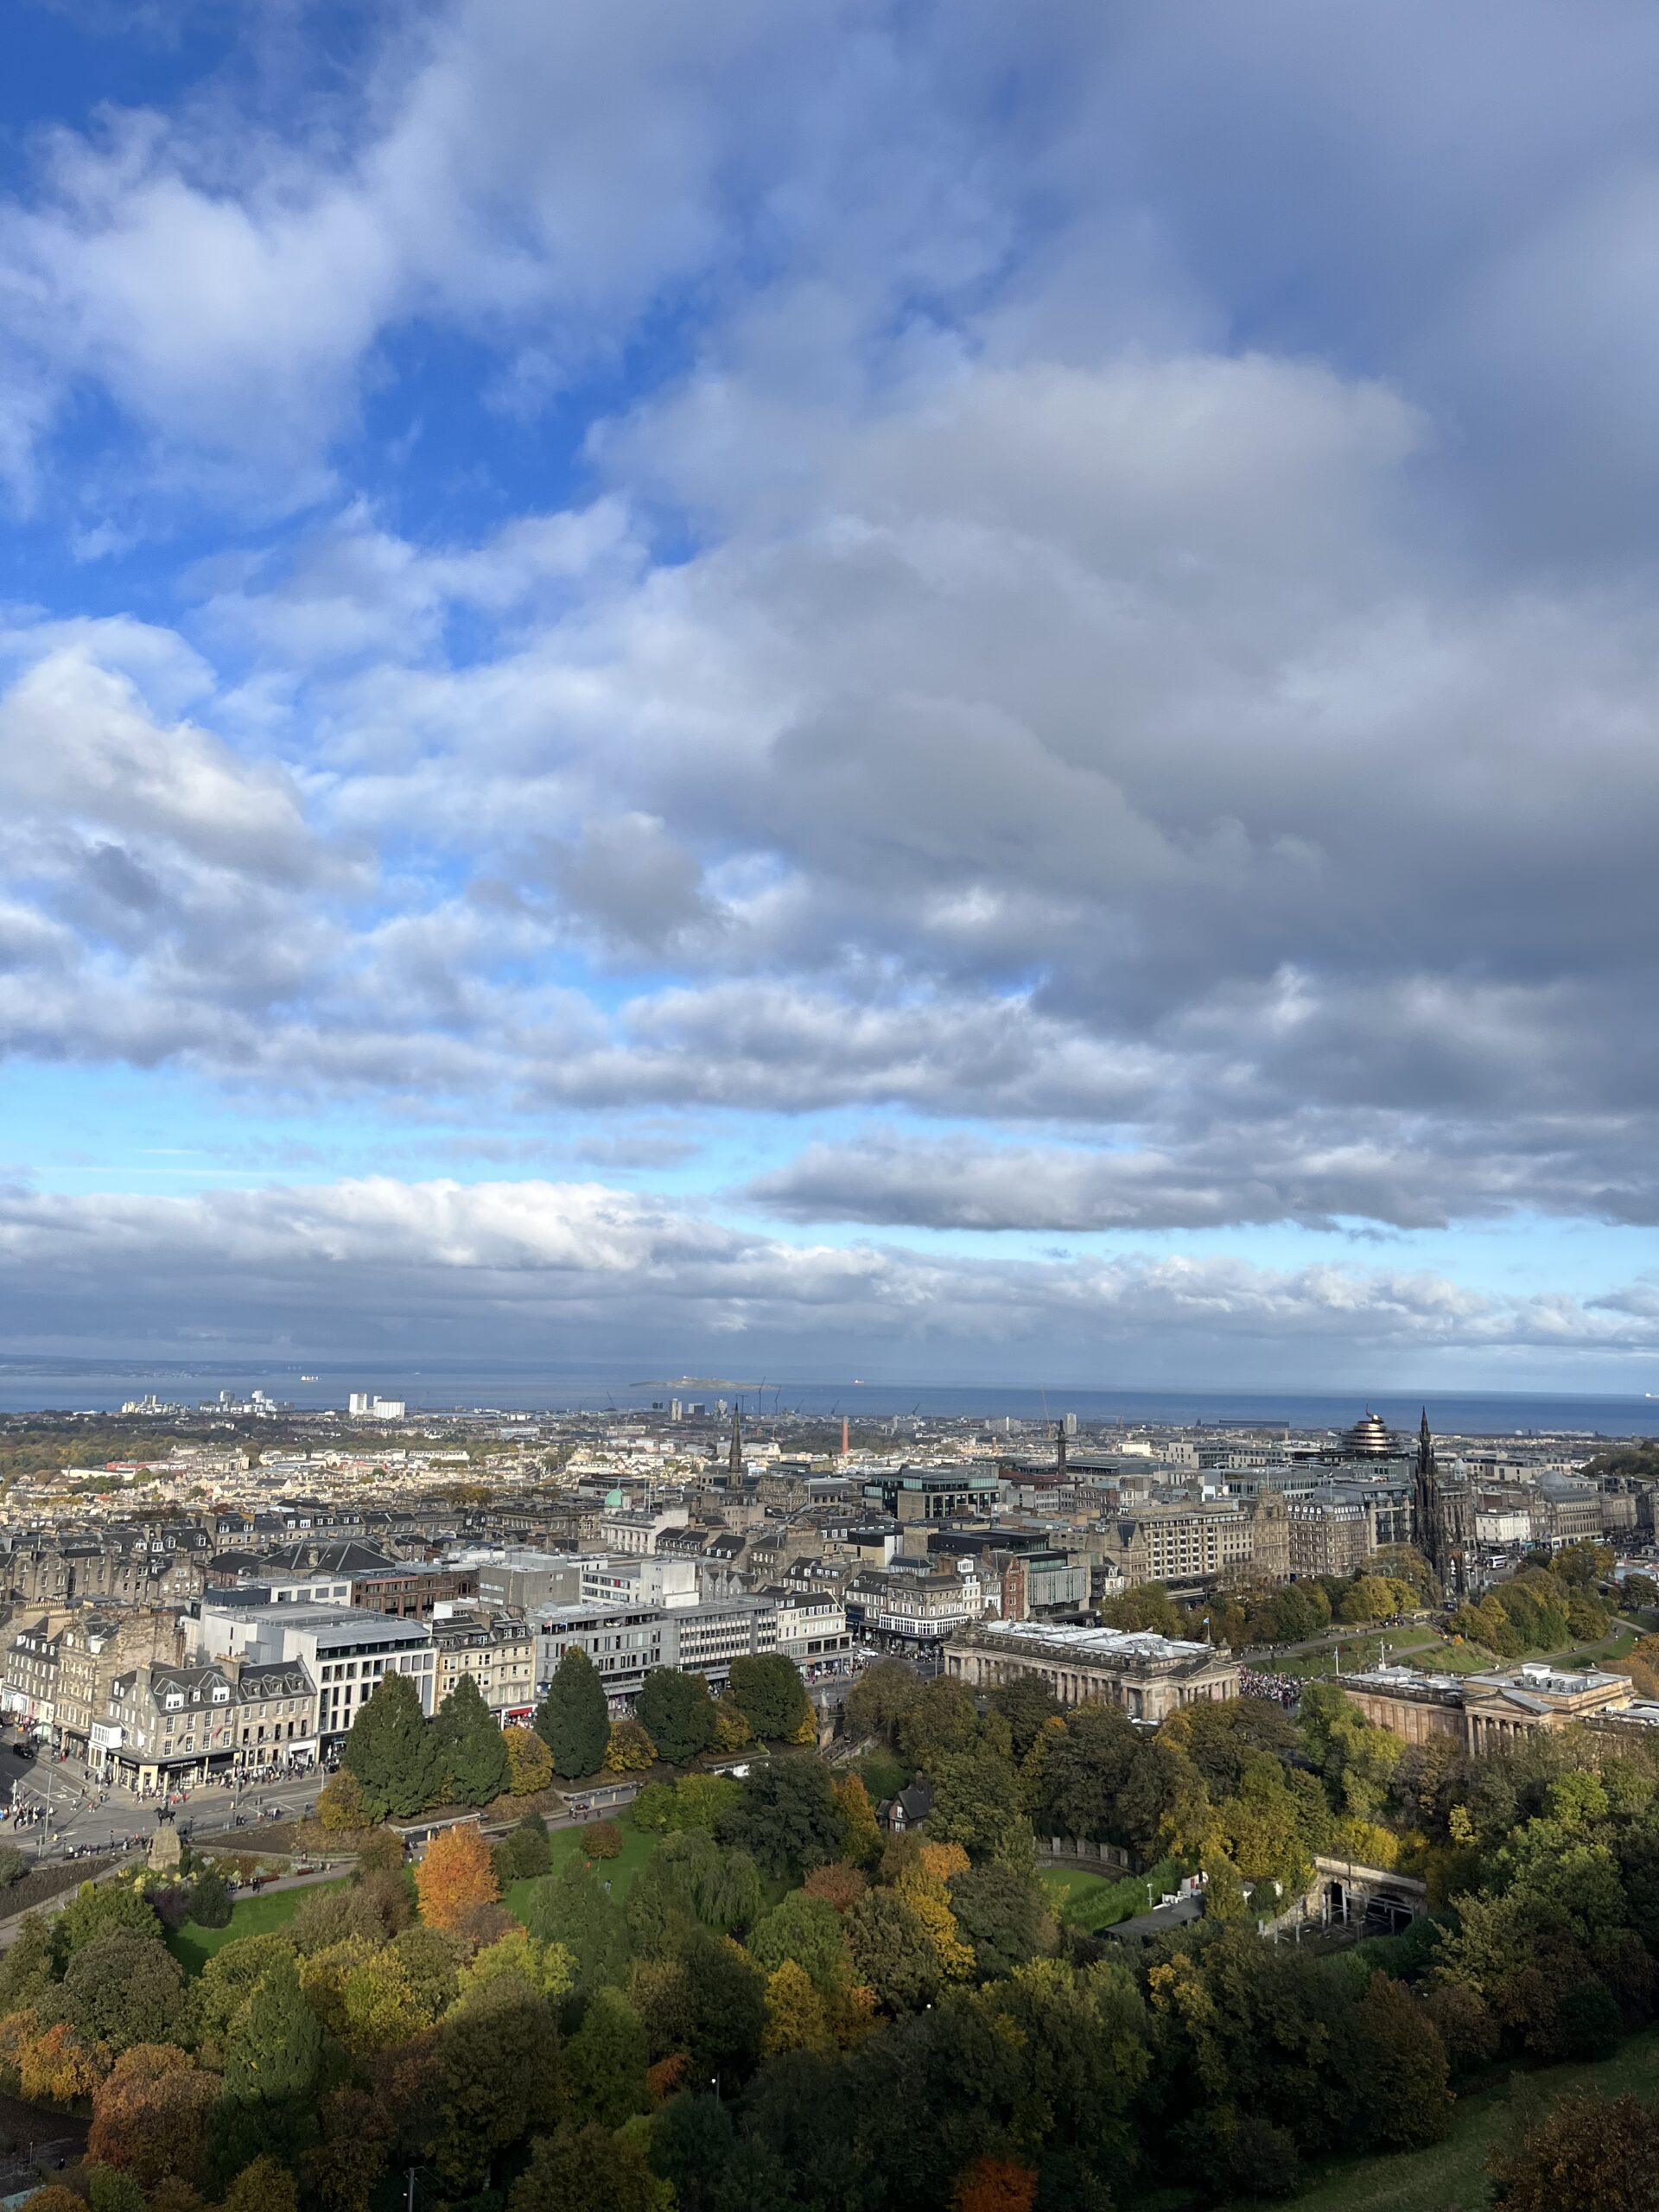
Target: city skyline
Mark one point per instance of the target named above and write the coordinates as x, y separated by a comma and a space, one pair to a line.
962, 693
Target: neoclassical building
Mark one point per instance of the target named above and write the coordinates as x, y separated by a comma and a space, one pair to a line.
1149, 1676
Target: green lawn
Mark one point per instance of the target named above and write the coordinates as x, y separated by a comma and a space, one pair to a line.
638, 1844
1453, 2176
1090, 1901
192, 1947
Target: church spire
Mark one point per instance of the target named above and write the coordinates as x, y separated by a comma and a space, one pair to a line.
735, 1456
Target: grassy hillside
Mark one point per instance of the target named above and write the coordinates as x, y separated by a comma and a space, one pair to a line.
1453, 2176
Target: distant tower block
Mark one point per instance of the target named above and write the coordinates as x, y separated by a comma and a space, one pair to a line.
845, 1445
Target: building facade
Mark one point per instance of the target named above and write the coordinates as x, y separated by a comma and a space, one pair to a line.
1146, 1677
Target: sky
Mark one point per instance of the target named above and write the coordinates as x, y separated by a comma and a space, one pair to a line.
944, 691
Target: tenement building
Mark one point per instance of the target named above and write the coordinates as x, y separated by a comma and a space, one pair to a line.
1148, 1676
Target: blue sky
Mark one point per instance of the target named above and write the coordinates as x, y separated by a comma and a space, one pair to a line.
959, 690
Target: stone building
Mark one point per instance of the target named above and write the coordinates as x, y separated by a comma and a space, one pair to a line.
1486, 1712
1148, 1676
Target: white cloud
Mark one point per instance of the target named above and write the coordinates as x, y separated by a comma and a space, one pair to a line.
510, 1266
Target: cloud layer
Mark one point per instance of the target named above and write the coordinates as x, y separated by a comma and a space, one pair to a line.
968, 626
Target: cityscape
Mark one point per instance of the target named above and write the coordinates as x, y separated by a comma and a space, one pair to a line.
828, 1296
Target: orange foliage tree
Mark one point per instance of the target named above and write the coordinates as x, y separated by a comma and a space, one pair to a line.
456, 1874
994, 2185
150, 2117
59, 2066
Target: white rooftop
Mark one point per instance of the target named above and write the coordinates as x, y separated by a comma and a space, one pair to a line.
1103, 1643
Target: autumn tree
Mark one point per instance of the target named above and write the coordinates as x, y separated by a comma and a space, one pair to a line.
455, 1875
262, 2185
994, 2185
149, 2116
573, 1719
630, 1750
391, 1752
860, 1840
732, 1729
1588, 2154
343, 1807
529, 1763
796, 2019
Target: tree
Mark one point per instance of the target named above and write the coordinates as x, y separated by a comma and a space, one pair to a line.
1026, 1704
767, 1690
389, 1750
472, 1752
861, 1841
1221, 1736
700, 1800
108, 1909
569, 1908
1000, 1911
1404, 2066
788, 1817
271, 2055
676, 1712
796, 2019
573, 1719
343, 1807
995, 2185
455, 1875
732, 1730
524, 1852
108, 2189
587, 2168
837, 1883
342, 2170
603, 1839
529, 1763
264, 2186
210, 1900
892, 1951
943, 1716
498, 2066
605, 2063
1148, 1605
149, 2116
881, 1698
976, 1803
630, 1750
804, 1931
725, 2003
1588, 2154
125, 1989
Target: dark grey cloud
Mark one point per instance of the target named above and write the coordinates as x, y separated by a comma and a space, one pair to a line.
1320, 1172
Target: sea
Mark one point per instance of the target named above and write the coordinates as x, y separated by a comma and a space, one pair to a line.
64, 1385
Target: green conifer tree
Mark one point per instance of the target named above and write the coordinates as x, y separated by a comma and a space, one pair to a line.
573, 1720
471, 1750
391, 1750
